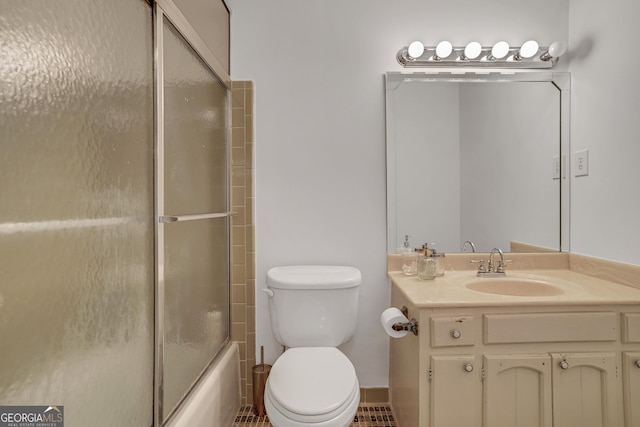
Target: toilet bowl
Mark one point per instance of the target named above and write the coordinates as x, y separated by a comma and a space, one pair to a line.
312, 387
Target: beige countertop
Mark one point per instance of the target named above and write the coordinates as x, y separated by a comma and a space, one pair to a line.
576, 288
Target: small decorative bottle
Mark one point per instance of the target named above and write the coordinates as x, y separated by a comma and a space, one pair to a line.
426, 267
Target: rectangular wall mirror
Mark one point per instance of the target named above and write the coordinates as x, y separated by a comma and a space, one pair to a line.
480, 158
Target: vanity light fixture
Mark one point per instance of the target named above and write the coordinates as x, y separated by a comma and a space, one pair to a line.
500, 55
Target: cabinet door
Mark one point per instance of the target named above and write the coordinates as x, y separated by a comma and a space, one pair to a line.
584, 390
631, 380
455, 391
517, 391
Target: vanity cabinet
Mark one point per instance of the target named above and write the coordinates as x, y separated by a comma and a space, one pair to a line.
517, 390
523, 366
584, 390
545, 390
631, 368
456, 389
631, 382
524, 390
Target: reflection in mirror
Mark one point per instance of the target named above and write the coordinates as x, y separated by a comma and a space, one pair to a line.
476, 159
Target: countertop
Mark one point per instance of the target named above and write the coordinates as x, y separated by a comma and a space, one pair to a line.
577, 289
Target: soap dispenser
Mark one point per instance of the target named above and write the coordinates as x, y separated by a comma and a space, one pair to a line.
406, 245
409, 258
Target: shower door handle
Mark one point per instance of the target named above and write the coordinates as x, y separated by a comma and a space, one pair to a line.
181, 218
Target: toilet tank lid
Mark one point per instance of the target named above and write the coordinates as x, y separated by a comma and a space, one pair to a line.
313, 277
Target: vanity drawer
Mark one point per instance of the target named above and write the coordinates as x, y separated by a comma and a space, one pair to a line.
550, 327
453, 331
631, 327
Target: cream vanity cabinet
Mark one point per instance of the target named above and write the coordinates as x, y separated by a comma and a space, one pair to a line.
631, 369
518, 367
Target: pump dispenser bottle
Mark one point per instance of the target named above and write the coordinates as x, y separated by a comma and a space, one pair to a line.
409, 258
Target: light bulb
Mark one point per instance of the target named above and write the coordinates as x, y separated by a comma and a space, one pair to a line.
472, 50
555, 50
415, 50
500, 50
527, 50
443, 50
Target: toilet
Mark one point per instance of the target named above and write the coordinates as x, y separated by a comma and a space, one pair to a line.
313, 310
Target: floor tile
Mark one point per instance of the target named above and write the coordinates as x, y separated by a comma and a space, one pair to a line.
368, 415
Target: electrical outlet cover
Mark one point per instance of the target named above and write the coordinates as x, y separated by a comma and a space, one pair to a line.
581, 163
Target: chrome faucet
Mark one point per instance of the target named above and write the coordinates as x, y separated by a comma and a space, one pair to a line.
468, 243
500, 268
491, 270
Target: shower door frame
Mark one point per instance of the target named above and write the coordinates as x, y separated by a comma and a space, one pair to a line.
166, 9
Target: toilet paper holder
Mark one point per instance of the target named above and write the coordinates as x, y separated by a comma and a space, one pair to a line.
412, 325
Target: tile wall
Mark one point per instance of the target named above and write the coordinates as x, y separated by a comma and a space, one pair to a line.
243, 279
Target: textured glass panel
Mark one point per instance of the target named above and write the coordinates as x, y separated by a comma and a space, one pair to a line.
76, 223
196, 313
195, 110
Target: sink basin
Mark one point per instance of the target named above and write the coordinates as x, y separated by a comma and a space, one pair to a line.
514, 287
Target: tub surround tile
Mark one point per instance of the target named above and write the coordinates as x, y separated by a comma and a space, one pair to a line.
243, 251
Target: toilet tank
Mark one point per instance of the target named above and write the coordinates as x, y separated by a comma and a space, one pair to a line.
313, 306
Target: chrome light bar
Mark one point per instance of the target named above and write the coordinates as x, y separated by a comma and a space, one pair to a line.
500, 55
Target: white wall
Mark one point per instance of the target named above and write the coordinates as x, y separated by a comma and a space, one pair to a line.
318, 67
605, 99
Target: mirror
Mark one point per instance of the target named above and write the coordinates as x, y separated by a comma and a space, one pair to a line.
479, 158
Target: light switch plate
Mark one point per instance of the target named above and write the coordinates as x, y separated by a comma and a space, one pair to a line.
581, 163
556, 167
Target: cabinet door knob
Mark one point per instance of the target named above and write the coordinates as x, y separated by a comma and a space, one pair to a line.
564, 364
637, 363
456, 334
468, 367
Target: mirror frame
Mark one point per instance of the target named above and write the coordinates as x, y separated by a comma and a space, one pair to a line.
561, 80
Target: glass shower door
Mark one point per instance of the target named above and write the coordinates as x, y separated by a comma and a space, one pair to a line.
193, 236
76, 209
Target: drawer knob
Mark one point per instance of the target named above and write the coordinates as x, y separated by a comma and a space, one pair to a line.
468, 367
564, 364
637, 363
456, 334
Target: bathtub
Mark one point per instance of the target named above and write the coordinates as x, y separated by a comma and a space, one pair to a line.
215, 400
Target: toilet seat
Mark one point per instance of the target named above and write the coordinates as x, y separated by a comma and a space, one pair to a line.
312, 385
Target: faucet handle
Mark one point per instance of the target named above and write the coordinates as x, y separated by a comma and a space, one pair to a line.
502, 266
481, 267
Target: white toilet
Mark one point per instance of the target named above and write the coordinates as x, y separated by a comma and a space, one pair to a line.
313, 310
